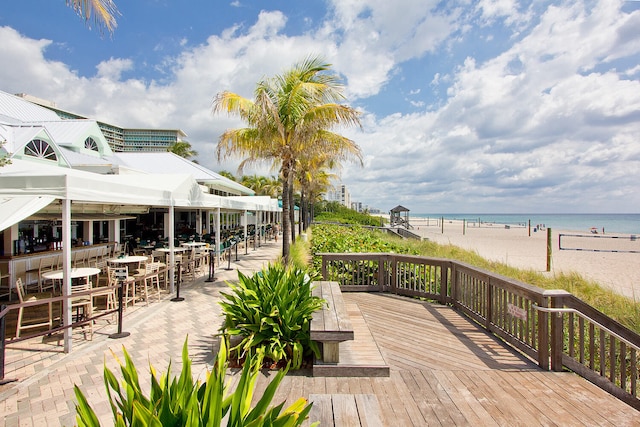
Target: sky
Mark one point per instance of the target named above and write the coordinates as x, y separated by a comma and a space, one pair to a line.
467, 106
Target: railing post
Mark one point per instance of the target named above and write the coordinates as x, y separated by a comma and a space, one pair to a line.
394, 273
489, 302
543, 334
324, 267
382, 276
557, 328
454, 283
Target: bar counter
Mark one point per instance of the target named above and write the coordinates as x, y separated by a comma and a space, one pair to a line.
31, 266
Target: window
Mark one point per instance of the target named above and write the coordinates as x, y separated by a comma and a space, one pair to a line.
41, 149
90, 144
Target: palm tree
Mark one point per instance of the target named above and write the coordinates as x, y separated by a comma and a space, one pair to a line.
289, 117
228, 175
103, 11
262, 185
182, 149
314, 179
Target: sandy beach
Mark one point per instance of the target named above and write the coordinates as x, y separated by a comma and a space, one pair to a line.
590, 255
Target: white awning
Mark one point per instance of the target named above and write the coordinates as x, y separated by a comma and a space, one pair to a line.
15, 209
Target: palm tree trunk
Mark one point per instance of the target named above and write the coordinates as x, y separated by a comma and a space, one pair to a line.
303, 213
292, 209
286, 218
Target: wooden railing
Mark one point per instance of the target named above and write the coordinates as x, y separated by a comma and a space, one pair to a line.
552, 327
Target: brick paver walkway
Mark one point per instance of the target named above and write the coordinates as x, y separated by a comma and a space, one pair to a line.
43, 394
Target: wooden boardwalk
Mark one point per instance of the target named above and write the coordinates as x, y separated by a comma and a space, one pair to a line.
447, 371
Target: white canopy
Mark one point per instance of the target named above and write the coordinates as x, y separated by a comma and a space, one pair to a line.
15, 209
257, 203
26, 185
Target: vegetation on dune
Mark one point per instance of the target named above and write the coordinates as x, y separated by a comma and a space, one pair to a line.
335, 212
335, 238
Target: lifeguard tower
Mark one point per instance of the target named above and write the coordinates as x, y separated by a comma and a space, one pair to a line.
400, 217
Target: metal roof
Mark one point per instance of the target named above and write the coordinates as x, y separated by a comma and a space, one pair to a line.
18, 108
166, 162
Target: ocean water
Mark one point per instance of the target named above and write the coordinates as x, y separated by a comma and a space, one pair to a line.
612, 223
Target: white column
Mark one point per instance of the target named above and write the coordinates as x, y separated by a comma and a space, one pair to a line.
114, 231
245, 232
66, 272
218, 242
172, 256
199, 221
87, 231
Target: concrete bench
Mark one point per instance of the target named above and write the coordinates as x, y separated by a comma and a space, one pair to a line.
345, 410
331, 325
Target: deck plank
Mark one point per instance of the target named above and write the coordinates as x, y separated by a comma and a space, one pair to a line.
446, 371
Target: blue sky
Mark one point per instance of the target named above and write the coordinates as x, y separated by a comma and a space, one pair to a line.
467, 106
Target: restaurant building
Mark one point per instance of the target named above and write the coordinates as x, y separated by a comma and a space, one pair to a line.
64, 179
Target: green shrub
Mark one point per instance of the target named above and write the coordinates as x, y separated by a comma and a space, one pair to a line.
338, 239
335, 212
271, 311
183, 402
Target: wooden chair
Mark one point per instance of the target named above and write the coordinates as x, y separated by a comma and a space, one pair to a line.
79, 258
148, 278
103, 281
36, 320
83, 303
47, 263
5, 285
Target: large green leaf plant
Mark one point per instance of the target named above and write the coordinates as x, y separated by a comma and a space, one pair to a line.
184, 402
272, 311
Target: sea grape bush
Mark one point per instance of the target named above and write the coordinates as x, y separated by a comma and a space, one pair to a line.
341, 239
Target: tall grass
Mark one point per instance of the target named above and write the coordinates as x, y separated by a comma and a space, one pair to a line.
299, 253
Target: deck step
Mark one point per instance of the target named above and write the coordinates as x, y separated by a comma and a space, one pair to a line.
359, 357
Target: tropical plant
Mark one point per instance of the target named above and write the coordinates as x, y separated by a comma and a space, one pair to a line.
183, 402
291, 116
314, 178
182, 149
103, 11
4, 158
262, 185
271, 311
228, 174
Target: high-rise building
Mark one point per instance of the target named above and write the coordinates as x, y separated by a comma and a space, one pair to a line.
339, 194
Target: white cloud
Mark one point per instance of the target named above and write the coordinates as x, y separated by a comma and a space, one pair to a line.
545, 124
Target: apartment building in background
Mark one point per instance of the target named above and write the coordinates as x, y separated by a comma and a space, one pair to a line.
121, 140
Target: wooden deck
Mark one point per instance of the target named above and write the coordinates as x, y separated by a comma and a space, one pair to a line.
447, 371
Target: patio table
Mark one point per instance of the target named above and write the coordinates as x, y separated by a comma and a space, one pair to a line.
74, 273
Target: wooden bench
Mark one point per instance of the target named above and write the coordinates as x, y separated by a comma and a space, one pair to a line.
331, 325
345, 410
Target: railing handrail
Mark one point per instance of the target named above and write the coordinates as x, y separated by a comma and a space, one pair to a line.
584, 316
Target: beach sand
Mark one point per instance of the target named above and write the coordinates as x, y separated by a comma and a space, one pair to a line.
521, 247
